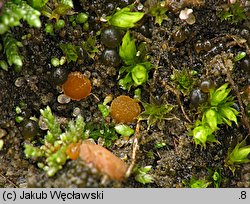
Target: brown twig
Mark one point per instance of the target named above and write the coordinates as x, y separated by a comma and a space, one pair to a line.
235, 88
177, 94
135, 147
9, 180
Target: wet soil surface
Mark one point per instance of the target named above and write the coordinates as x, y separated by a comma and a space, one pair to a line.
171, 46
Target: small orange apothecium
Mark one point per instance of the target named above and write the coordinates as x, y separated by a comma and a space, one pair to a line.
73, 150
77, 86
103, 160
124, 109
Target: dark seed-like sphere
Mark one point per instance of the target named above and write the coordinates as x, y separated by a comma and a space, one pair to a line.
206, 85
197, 97
245, 64
110, 57
59, 76
29, 128
111, 37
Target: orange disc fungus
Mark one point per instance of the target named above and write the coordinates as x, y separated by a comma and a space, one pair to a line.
77, 86
124, 109
73, 150
103, 160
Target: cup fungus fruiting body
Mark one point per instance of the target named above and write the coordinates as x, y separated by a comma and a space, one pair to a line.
77, 86
73, 150
124, 109
103, 160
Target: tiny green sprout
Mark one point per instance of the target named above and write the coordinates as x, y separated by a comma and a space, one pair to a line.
19, 119
18, 110
239, 155
142, 176
196, 183
49, 29
240, 56
59, 24
137, 94
81, 18
103, 107
159, 145
85, 26
55, 61
216, 179
62, 60
125, 18
139, 74
4, 65
124, 130
104, 110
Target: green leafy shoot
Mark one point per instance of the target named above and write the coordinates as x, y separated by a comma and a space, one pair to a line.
70, 51
51, 155
216, 179
37, 4
218, 111
13, 12
58, 9
234, 13
155, 113
142, 176
104, 131
11, 49
125, 18
240, 56
89, 46
136, 69
124, 130
198, 183
239, 155
184, 80
54, 129
104, 108
127, 50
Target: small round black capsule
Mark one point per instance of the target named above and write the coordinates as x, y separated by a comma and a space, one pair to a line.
110, 57
111, 37
29, 128
197, 97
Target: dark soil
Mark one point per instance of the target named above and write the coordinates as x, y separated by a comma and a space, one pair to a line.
172, 164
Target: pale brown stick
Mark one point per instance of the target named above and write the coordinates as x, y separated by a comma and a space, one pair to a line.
135, 147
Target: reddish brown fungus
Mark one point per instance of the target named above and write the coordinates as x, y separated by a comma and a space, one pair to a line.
124, 109
103, 160
77, 86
